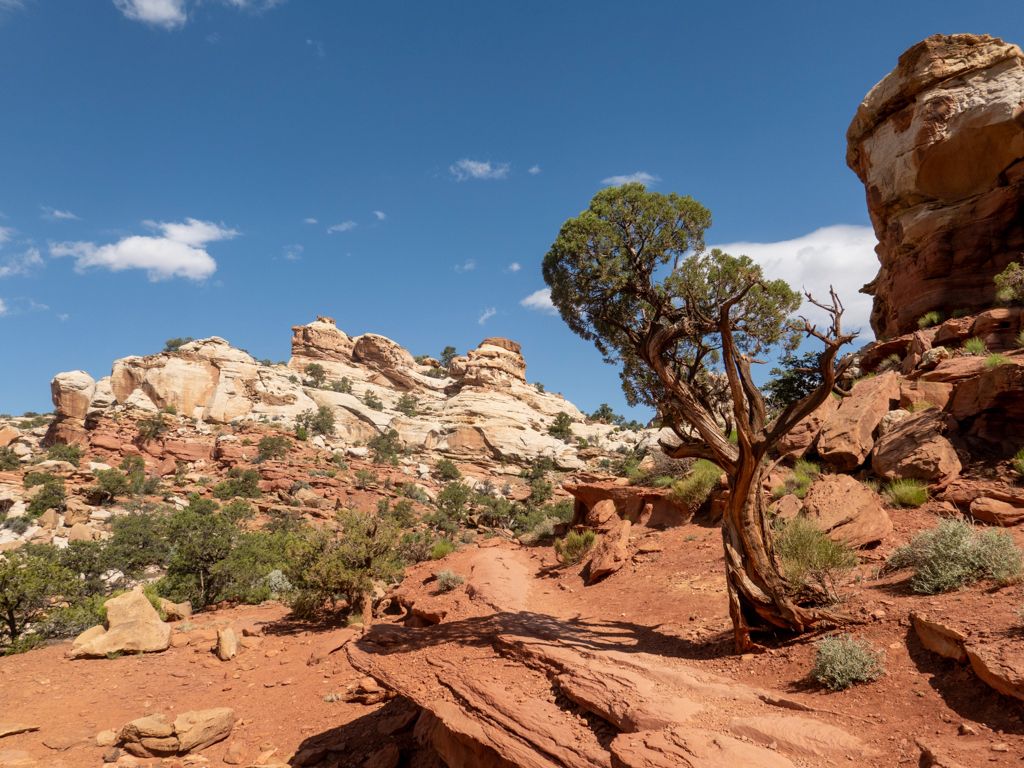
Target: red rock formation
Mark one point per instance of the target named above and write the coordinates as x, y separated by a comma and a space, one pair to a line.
939, 144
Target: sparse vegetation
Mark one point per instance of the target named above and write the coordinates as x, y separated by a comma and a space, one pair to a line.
975, 346
575, 546
441, 549
993, 361
319, 422
272, 447
69, 453
906, 493
174, 345
798, 482
316, 374
8, 459
1010, 284
151, 429
407, 405
1018, 462
447, 470
386, 448
365, 478
928, 319
342, 385
842, 661
561, 427
808, 555
447, 580
954, 553
693, 490
370, 400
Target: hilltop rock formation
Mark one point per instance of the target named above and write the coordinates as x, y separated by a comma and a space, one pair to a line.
939, 146
483, 407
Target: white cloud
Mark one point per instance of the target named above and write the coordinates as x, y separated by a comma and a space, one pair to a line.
345, 226
534, 170
5, 234
471, 169
53, 214
380, 215
317, 46
468, 266
309, 221
179, 253
293, 252
842, 256
19, 306
489, 312
541, 301
3, 308
513, 267
63, 317
618, 181
21, 264
168, 14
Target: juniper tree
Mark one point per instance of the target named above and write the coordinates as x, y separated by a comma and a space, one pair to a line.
631, 274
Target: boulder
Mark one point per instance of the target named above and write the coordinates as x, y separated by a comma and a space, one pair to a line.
913, 393
198, 730
847, 510
1001, 666
891, 420
610, 552
132, 625
630, 500
176, 611
938, 145
602, 517
915, 449
76, 511
996, 512
795, 443
71, 393
228, 645
938, 638
849, 435
8, 435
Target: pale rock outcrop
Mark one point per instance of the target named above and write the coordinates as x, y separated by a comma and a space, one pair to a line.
8, 435
71, 394
849, 435
155, 735
915, 449
496, 362
938, 144
132, 625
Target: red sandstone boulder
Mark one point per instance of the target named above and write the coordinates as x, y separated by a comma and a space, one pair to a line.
849, 435
795, 443
847, 510
916, 449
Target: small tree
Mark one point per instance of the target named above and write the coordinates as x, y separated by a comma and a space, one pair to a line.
630, 273
319, 422
370, 400
27, 582
447, 356
386, 448
316, 374
174, 345
407, 404
561, 427
272, 447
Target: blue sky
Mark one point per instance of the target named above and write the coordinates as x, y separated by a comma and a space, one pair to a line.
236, 167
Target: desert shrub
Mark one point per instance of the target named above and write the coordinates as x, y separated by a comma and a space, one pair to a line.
1010, 284
16, 524
316, 373
27, 582
447, 580
343, 385
923, 405
73, 619
151, 429
299, 485
272, 447
247, 572
9, 459
365, 478
386, 448
694, 489
32, 479
437, 373
173, 345
1018, 462
110, 484
171, 410
953, 554
69, 453
561, 427
541, 490
239, 482
540, 466
581, 443
200, 543
407, 404
798, 482
238, 511
842, 661
441, 549
137, 541
1018, 340
201, 506
906, 493
447, 470
994, 361
928, 319
353, 619
415, 547
370, 400
323, 567
893, 361
52, 496
319, 422
808, 555
140, 485
575, 546
452, 500
539, 387
301, 434
340, 461
975, 346
957, 313
664, 481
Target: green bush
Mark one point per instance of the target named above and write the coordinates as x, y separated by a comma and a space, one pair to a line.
199, 543
1010, 284
27, 582
137, 541
842, 661
953, 554
561, 427
407, 404
694, 489
994, 361
9, 459
52, 496
1018, 462
541, 490
447, 580
365, 478
906, 493
437, 373
574, 547
316, 373
319, 422
32, 479
928, 319
386, 448
151, 429
447, 469
807, 554
272, 447
69, 453
416, 547
370, 400
173, 345
238, 511
201, 506
247, 572
1018, 340
74, 619
343, 385
171, 410
239, 482
452, 500
975, 346
300, 433
110, 484
441, 549
798, 482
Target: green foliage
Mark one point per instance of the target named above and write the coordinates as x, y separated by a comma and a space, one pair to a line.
953, 554
1018, 462
247, 571
415, 547
9, 459
539, 387
323, 568
32, 479
200, 506
892, 362
200, 542
238, 511
437, 373
453, 499
239, 482
407, 404
441, 549
923, 405
994, 361
541, 490
581, 443
842, 661
928, 319
1010, 284
447, 355
69, 453
807, 554
401, 513
272, 447
447, 580
152, 428
370, 400
110, 484
960, 313
320, 422
173, 345
386, 448
540, 466
343, 385
365, 478
561, 427
575, 546
694, 489
795, 379
52, 496
798, 482
27, 582
906, 493
316, 373
447, 469
171, 410
975, 346
300, 433
73, 619
1018, 340
137, 541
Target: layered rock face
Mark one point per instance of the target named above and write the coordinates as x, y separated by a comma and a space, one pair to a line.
939, 146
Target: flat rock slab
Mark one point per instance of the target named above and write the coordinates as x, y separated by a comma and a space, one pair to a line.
16, 758
690, 748
802, 737
10, 729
